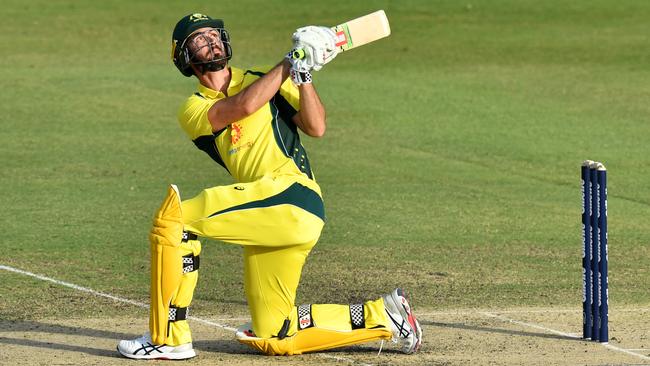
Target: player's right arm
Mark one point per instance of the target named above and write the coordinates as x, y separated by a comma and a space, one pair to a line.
250, 99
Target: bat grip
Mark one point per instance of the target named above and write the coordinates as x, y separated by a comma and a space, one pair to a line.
298, 54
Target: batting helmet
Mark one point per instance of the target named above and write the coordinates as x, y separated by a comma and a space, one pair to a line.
181, 55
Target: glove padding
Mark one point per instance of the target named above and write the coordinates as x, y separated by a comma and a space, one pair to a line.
318, 45
299, 77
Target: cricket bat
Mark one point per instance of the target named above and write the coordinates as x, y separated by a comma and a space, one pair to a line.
358, 32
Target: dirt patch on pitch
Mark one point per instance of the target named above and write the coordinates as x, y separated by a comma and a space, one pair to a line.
515, 337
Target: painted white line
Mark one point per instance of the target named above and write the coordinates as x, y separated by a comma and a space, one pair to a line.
529, 325
522, 311
102, 294
73, 286
477, 311
619, 349
343, 359
143, 305
549, 330
208, 322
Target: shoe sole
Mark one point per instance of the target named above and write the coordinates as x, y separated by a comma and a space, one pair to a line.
408, 315
167, 356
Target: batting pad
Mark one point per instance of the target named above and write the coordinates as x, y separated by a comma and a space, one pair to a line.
166, 263
178, 328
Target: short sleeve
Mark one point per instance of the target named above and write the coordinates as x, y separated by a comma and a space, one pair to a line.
193, 116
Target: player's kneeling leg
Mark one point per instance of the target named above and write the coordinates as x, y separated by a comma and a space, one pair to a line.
353, 324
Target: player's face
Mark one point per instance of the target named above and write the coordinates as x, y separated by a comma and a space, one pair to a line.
206, 45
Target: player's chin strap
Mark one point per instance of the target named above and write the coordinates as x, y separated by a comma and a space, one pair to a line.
212, 65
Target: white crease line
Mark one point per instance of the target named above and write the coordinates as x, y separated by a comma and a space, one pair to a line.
523, 311
612, 347
530, 325
143, 305
71, 285
539, 327
108, 296
339, 359
476, 311
208, 322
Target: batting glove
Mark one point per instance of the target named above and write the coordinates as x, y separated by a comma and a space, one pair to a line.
299, 77
318, 45
301, 58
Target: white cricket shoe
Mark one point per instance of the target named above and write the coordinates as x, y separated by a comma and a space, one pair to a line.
406, 329
143, 348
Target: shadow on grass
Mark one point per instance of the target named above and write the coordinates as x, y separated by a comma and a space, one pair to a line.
498, 330
20, 327
59, 346
236, 348
226, 346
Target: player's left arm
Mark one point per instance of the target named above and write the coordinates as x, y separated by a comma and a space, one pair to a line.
311, 115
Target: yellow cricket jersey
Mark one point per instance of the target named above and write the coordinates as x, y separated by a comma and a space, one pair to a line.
266, 141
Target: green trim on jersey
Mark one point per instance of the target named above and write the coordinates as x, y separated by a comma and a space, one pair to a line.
286, 134
206, 144
296, 195
256, 73
266, 141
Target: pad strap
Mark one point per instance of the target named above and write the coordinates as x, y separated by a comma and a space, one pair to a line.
190, 263
177, 314
357, 316
304, 317
187, 236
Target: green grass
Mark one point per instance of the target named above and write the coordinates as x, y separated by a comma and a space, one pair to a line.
450, 165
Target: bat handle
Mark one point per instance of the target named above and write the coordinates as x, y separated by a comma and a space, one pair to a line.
298, 54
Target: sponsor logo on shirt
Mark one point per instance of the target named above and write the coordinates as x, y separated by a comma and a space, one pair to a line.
235, 133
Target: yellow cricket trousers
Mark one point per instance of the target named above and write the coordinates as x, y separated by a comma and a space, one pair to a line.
278, 219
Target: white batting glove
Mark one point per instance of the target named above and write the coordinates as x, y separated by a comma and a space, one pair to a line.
299, 71
302, 58
299, 77
318, 45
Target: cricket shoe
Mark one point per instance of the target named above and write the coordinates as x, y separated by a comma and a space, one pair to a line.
143, 348
406, 329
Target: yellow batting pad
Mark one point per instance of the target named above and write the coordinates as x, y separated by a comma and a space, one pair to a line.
166, 262
179, 331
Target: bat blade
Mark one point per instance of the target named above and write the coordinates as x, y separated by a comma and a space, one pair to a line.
357, 32
360, 31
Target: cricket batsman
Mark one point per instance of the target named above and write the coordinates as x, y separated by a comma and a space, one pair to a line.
247, 121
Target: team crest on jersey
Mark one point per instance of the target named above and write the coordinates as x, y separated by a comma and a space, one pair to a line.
235, 133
